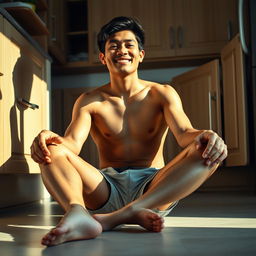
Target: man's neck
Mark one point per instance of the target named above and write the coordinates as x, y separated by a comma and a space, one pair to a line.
125, 86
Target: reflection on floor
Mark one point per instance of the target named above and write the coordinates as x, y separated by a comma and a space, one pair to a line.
202, 224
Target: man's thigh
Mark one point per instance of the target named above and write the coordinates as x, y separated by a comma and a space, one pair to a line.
96, 190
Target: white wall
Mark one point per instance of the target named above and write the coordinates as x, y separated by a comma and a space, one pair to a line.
96, 79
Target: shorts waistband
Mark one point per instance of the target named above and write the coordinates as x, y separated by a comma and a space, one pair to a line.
122, 169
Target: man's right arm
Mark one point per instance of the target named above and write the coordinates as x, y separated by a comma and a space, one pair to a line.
74, 138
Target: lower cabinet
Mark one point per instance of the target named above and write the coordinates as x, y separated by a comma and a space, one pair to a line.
218, 106
24, 100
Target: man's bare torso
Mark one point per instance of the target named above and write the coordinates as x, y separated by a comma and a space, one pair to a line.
128, 131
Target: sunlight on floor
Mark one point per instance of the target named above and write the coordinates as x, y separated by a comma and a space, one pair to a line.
198, 222
30, 226
5, 237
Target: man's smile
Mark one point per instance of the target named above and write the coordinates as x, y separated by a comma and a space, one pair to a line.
123, 60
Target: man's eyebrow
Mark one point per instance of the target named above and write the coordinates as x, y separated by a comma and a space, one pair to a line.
121, 41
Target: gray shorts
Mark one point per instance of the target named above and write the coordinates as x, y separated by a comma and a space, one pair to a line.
126, 185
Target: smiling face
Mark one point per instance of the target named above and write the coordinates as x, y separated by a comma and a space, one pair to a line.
122, 54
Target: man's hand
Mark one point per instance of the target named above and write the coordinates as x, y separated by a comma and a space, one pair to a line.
215, 149
39, 150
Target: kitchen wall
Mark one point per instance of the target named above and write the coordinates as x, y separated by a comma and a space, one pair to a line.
96, 79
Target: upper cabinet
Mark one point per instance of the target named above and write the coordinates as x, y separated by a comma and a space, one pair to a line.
32, 17
203, 27
101, 12
174, 29
158, 22
186, 28
57, 28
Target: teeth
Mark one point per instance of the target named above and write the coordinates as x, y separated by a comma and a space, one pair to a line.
123, 61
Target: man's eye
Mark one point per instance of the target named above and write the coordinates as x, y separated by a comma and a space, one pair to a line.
130, 45
113, 46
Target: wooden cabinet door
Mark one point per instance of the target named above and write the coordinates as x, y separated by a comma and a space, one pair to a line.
199, 90
235, 123
1, 93
24, 79
204, 26
57, 25
158, 21
101, 12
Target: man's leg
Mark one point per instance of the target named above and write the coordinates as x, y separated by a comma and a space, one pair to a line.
75, 184
179, 178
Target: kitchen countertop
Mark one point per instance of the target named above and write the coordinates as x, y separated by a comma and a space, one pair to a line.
8, 17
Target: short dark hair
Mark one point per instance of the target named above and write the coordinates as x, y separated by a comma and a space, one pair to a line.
118, 24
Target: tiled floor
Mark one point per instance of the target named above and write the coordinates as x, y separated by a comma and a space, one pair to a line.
202, 224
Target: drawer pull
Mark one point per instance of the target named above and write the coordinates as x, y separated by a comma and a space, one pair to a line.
27, 104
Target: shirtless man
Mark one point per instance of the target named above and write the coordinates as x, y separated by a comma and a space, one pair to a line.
128, 119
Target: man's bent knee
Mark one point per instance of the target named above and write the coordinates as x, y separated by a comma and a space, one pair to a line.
57, 151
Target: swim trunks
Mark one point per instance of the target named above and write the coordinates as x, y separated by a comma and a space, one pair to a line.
126, 185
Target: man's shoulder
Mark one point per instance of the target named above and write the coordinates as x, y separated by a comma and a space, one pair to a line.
89, 98
93, 94
164, 90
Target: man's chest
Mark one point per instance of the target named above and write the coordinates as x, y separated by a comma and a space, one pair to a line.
137, 119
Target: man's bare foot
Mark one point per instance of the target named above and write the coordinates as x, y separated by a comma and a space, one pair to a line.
143, 217
77, 224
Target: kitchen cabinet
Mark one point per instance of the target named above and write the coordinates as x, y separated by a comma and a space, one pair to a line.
31, 20
57, 28
186, 27
203, 27
100, 12
24, 102
199, 90
1, 91
218, 106
175, 29
234, 105
158, 22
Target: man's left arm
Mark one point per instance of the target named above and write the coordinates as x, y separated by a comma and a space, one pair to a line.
215, 150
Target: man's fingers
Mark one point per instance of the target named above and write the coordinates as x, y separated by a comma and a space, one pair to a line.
35, 156
210, 145
42, 138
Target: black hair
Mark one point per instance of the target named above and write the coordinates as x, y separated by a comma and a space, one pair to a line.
118, 24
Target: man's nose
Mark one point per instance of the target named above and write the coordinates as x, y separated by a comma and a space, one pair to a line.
122, 50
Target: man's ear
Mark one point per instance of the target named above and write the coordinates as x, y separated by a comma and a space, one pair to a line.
102, 58
142, 55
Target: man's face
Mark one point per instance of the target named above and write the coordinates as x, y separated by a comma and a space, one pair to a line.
122, 54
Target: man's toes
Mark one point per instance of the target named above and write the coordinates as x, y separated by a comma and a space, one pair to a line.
59, 230
159, 221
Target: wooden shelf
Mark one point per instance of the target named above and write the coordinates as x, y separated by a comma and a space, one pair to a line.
29, 20
74, 33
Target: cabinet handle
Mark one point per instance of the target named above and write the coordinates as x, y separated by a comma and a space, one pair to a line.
1, 74
53, 20
172, 37
180, 36
27, 104
212, 97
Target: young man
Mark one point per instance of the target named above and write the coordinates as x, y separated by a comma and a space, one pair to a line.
128, 119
